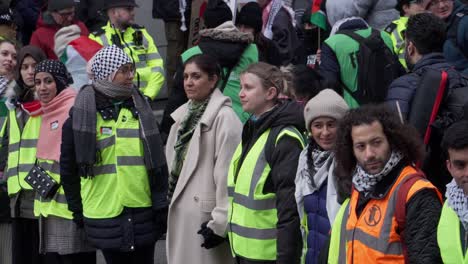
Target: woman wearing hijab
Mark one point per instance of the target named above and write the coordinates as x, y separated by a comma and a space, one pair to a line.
111, 144
199, 148
61, 239
23, 126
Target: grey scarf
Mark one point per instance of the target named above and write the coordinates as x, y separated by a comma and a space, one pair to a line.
458, 201
364, 182
84, 127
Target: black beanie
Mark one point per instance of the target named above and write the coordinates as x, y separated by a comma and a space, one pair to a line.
251, 15
55, 5
216, 13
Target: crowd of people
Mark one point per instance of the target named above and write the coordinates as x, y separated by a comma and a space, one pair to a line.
339, 136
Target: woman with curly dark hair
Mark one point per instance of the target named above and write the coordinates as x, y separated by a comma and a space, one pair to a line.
393, 211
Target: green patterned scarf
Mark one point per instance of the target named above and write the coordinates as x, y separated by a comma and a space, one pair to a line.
184, 135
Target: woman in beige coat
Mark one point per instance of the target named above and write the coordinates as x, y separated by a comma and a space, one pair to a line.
199, 149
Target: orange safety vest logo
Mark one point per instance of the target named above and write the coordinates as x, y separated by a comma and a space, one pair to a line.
373, 237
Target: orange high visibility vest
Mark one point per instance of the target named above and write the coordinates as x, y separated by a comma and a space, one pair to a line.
372, 237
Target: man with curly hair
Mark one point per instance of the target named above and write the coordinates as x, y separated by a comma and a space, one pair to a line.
392, 214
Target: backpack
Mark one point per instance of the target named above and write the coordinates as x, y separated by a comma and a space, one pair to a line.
377, 66
425, 114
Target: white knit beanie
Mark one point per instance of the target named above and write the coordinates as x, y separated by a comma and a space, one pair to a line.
327, 103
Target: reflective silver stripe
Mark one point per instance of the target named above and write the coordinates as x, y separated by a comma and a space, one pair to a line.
104, 40
104, 143
143, 84
157, 69
58, 197
130, 161
13, 147
25, 167
266, 204
153, 56
52, 167
140, 64
128, 133
399, 40
401, 56
254, 233
24, 143
257, 173
230, 191
342, 251
11, 172
104, 169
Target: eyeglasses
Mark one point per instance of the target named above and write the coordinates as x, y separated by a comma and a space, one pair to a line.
126, 70
435, 3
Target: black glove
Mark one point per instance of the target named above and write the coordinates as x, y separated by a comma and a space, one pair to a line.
211, 239
78, 219
160, 222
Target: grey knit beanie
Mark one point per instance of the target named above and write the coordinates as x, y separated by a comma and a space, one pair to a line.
327, 103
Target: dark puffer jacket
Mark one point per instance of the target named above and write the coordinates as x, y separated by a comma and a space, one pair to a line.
403, 90
456, 47
285, 158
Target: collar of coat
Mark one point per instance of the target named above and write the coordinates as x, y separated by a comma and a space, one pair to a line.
227, 31
217, 101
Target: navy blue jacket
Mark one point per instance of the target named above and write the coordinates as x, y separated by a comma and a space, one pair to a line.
455, 49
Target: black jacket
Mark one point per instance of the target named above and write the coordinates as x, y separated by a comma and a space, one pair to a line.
422, 217
147, 224
92, 14
403, 90
168, 10
285, 157
285, 37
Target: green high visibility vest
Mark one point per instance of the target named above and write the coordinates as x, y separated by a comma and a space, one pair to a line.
252, 214
337, 254
56, 205
396, 31
345, 49
120, 177
22, 148
448, 237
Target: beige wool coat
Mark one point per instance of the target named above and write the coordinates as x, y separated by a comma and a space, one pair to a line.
201, 191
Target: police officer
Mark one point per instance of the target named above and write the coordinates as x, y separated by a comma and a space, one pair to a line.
397, 28
120, 30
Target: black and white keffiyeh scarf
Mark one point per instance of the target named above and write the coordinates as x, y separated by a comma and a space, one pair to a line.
458, 201
364, 182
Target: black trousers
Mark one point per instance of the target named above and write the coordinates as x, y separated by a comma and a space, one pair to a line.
25, 234
142, 255
78, 258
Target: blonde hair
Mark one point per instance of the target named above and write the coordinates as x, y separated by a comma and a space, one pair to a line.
271, 76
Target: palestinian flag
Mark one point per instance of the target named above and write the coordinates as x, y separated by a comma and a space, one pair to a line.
318, 16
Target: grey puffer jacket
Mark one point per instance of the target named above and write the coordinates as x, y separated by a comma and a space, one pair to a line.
377, 13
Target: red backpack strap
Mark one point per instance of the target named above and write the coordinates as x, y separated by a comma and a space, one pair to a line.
435, 109
400, 210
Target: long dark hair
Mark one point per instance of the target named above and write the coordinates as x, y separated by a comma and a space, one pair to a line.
401, 137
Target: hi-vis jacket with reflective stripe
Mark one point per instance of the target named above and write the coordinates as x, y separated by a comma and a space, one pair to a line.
149, 65
21, 151
252, 214
372, 237
396, 30
448, 237
56, 205
120, 178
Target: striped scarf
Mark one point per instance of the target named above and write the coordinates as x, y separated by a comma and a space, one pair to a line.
184, 135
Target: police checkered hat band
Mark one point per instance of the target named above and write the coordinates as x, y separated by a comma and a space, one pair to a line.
107, 61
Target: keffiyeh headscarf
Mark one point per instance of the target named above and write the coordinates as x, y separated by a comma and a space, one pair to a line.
62, 77
458, 201
103, 67
365, 182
